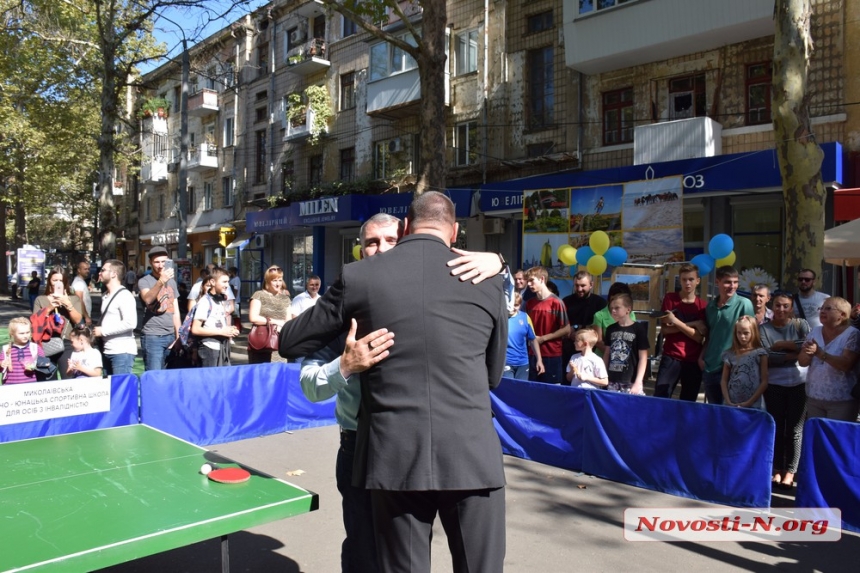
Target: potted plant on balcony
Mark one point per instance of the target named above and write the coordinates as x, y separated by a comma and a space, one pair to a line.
154, 106
320, 104
296, 109
209, 140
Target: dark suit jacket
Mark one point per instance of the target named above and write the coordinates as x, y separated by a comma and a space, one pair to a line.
425, 420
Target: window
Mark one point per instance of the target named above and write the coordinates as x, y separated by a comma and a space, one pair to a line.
687, 97
586, 6
618, 116
260, 96
161, 206
539, 149
466, 143
387, 60
389, 156
539, 22
147, 210
319, 27
541, 86
229, 74
262, 60
759, 80
349, 27
347, 91
294, 38
227, 195
177, 98
210, 78
260, 115
347, 164
207, 196
195, 84
315, 169
288, 177
260, 157
467, 52
228, 131
192, 202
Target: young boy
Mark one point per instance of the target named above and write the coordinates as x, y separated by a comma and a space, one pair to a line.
721, 314
586, 369
212, 324
549, 318
85, 361
18, 359
626, 355
683, 329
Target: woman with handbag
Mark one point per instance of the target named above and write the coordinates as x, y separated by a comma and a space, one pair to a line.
268, 311
55, 314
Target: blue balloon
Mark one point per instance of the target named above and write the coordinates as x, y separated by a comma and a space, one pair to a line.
704, 262
720, 246
615, 256
583, 254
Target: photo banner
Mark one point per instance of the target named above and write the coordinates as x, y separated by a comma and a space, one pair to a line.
643, 217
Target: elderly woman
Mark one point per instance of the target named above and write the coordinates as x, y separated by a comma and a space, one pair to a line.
831, 351
269, 304
785, 397
64, 310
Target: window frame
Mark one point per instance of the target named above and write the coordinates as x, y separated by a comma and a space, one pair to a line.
288, 177
207, 195
228, 134
315, 170
347, 164
543, 118
227, 191
698, 95
767, 82
540, 22
347, 95
192, 203
260, 156
620, 106
347, 27
466, 45
465, 153
392, 53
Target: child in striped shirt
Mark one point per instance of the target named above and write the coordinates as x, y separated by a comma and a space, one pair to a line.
18, 359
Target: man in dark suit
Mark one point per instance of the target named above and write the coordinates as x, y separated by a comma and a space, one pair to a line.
426, 442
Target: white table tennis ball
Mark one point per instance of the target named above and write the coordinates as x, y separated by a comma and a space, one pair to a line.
205, 469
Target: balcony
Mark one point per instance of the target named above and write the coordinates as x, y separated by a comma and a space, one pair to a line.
637, 32
395, 95
153, 144
301, 127
203, 103
203, 157
308, 58
154, 170
311, 9
674, 140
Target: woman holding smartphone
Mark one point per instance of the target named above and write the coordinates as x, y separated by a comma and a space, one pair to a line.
65, 310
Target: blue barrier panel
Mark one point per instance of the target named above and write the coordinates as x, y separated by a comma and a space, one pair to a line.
301, 412
216, 405
830, 472
712, 453
540, 422
123, 412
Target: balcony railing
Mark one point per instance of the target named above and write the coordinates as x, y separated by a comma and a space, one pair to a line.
203, 103
308, 58
203, 157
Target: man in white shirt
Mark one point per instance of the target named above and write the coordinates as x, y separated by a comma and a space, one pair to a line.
80, 288
195, 292
119, 317
308, 298
808, 301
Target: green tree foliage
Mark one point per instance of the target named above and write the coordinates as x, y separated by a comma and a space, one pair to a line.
426, 45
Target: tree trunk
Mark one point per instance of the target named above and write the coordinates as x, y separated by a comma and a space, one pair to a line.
4, 280
799, 155
434, 166
107, 212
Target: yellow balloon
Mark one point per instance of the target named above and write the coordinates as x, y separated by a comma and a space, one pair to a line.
727, 260
356, 252
599, 242
567, 254
596, 264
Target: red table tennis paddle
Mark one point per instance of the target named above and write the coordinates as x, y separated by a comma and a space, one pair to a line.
229, 475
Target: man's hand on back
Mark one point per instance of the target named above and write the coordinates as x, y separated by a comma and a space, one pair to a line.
476, 267
359, 355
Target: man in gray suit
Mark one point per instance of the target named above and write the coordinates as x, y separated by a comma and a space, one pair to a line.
426, 442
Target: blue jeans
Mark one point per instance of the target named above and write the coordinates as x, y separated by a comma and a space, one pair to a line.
713, 390
516, 372
155, 350
358, 552
118, 363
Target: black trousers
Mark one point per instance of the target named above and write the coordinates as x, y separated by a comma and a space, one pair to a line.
474, 521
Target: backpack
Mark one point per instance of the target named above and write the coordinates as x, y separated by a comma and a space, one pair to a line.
187, 339
183, 354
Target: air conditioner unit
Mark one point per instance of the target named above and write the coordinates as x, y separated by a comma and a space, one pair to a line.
297, 36
394, 145
494, 226
173, 167
259, 242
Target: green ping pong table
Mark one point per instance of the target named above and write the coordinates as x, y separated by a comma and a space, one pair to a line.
84, 501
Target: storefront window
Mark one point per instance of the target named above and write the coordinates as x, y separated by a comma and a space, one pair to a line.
757, 233
302, 264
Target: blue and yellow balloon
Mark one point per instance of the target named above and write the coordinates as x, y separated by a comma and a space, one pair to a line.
728, 260
599, 242
597, 265
720, 246
566, 254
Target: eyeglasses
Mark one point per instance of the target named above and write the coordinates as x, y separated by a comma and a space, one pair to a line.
805, 279
275, 270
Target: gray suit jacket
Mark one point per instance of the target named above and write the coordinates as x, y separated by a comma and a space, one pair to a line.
425, 421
